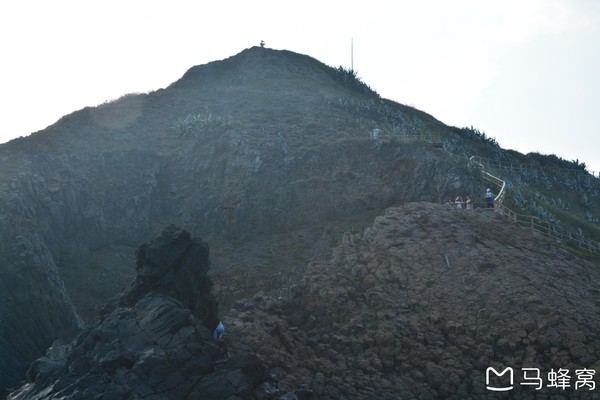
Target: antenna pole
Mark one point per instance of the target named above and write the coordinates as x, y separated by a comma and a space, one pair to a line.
351, 54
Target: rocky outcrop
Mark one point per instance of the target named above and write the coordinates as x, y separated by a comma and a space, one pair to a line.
419, 305
154, 341
177, 267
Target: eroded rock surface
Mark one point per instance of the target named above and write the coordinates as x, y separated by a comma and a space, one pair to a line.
154, 341
35, 308
419, 305
217, 152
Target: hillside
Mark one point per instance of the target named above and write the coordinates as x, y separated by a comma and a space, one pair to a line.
417, 306
266, 155
421, 303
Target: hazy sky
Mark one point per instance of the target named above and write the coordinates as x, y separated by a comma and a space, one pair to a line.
525, 72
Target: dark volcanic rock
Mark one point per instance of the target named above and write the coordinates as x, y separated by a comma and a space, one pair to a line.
35, 308
267, 154
245, 149
175, 265
421, 303
152, 342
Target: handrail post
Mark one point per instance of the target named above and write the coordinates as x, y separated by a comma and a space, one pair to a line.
532, 225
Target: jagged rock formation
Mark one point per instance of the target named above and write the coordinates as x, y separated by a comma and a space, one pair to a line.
419, 305
154, 341
174, 265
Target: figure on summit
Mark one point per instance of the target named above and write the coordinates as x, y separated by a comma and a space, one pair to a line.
262, 43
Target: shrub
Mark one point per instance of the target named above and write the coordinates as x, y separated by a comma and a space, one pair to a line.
195, 125
350, 77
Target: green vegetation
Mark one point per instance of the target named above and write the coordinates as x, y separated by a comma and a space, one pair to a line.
350, 78
552, 161
555, 190
198, 124
396, 124
558, 192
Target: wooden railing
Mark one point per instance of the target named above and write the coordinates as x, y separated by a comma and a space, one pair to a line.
548, 229
489, 178
530, 221
512, 167
419, 137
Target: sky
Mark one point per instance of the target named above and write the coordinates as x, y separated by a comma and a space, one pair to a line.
525, 72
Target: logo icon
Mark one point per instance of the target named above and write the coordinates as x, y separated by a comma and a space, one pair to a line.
489, 379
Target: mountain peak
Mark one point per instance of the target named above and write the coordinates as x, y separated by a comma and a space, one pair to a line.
270, 156
277, 71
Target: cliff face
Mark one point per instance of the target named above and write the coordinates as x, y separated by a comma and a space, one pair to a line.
35, 308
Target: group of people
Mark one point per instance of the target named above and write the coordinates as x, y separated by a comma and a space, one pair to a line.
461, 203
467, 203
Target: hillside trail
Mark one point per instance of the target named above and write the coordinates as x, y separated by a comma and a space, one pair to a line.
531, 221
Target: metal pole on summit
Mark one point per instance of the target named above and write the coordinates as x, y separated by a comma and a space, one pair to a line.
352, 54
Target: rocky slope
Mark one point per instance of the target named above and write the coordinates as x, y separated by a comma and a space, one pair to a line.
420, 304
35, 308
267, 155
154, 341
417, 306
249, 152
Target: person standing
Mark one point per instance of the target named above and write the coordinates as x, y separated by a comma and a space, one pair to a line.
469, 203
218, 332
489, 198
459, 202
